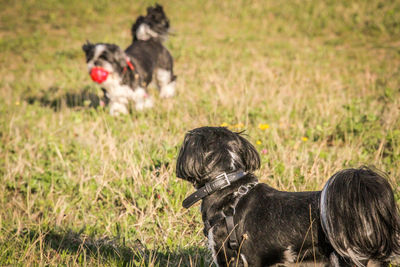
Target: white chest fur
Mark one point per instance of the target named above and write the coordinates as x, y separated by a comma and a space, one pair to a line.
116, 91
211, 245
120, 95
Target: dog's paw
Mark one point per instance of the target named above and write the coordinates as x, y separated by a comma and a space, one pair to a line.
117, 109
144, 104
168, 90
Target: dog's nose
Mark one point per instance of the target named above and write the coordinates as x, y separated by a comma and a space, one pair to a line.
97, 63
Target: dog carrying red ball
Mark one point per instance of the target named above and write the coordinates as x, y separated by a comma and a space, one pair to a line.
98, 74
124, 75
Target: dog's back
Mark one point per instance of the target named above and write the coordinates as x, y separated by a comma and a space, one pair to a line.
148, 56
287, 221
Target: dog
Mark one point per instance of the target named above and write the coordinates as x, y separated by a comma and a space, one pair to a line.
125, 75
352, 221
154, 25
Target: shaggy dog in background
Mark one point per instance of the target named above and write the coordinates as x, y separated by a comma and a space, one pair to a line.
125, 75
352, 221
154, 25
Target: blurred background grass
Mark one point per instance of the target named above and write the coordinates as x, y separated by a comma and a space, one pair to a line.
315, 84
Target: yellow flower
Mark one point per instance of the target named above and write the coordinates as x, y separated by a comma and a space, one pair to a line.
224, 124
258, 142
263, 126
304, 138
17, 103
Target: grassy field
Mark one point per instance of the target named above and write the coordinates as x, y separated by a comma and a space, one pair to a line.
315, 84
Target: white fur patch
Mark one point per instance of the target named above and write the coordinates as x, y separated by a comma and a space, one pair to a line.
289, 255
233, 159
141, 99
167, 88
211, 245
323, 208
116, 91
144, 32
120, 95
334, 260
244, 260
117, 108
163, 77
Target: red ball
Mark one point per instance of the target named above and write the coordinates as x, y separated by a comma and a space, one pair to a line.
98, 74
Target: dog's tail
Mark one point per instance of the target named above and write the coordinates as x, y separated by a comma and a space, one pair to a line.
359, 216
155, 25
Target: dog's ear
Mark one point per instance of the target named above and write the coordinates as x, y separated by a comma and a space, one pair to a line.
149, 10
156, 12
87, 47
159, 8
190, 164
119, 55
251, 158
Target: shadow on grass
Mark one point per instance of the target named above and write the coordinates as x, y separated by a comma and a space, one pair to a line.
56, 99
114, 251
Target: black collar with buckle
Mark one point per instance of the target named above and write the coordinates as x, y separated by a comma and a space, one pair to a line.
220, 182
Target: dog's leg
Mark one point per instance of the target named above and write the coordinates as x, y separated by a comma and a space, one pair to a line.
165, 82
144, 103
337, 261
142, 99
106, 100
373, 263
117, 108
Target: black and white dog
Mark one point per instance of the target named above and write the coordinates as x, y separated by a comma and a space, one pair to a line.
125, 75
154, 25
352, 221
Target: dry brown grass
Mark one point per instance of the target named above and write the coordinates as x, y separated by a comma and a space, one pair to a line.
80, 187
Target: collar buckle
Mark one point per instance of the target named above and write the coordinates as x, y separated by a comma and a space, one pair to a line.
223, 177
243, 190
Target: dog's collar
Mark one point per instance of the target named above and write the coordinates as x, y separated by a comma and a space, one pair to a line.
130, 65
221, 181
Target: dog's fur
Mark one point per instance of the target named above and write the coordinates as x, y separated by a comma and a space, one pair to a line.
154, 25
353, 220
148, 56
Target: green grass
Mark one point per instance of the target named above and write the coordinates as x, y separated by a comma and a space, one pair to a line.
79, 187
